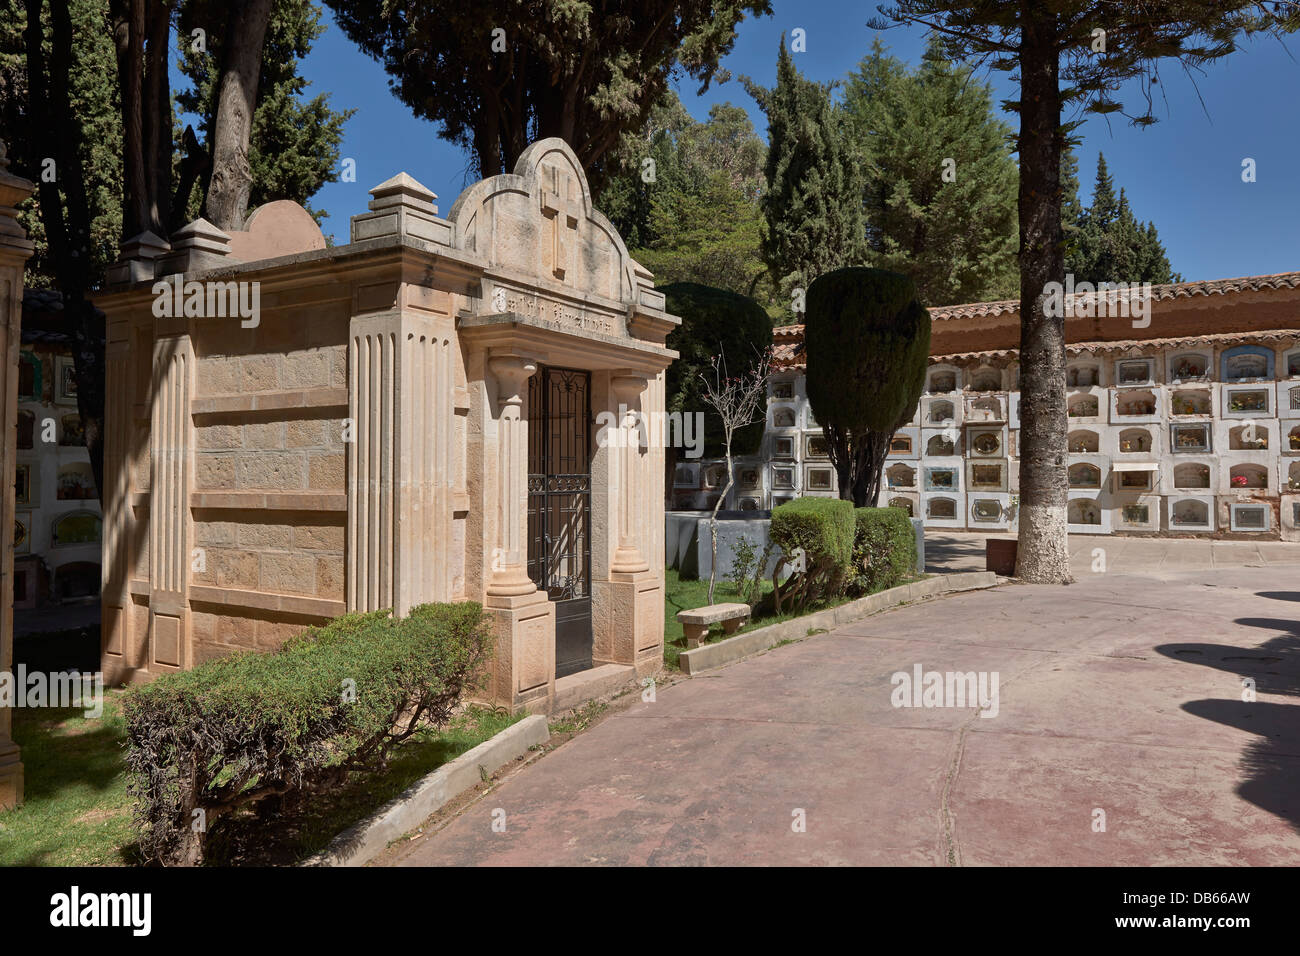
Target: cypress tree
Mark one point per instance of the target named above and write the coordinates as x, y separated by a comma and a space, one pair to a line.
867, 341
813, 203
1111, 244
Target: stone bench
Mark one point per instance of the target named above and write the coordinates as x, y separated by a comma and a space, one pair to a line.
695, 623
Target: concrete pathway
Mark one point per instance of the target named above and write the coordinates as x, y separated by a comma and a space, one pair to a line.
1118, 695
964, 551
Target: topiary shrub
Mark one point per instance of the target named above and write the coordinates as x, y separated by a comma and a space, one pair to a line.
867, 342
821, 530
884, 549
332, 701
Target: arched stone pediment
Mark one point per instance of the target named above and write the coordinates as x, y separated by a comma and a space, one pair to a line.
537, 227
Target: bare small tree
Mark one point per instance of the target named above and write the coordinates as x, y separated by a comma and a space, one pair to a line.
737, 400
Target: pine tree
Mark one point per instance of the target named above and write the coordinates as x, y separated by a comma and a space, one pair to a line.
940, 192
813, 203
1066, 53
1072, 212
1112, 245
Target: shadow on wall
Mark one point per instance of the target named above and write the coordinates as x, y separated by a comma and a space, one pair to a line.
1269, 763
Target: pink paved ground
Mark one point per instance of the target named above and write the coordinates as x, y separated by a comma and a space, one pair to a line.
1120, 692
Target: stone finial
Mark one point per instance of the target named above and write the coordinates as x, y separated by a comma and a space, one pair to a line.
195, 246
646, 293
137, 258
403, 190
146, 245
201, 235
13, 190
402, 206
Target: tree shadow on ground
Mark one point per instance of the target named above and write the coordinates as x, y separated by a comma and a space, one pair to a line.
1270, 764
1279, 595
953, 554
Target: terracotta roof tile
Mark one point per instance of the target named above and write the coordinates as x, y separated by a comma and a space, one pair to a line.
787, 340
1173, 342
1177, 290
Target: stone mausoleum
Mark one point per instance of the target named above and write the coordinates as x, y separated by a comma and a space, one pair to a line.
1185, 422
409, 417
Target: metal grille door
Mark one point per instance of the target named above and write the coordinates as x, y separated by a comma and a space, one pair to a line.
559, 507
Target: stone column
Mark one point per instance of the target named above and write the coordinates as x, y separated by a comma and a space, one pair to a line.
636, 600
629, 557
401, 462
171, 437
15, 248
509, 557
524, 666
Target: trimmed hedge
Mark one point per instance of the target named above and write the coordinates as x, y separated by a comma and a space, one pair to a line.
884, 549
822, 529
333, 700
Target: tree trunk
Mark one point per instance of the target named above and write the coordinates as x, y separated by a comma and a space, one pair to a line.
128, 38
874, 451
839, 445
1043, 555
671, 457
194, 165
157, 113
232, 181
67, 227
713, 526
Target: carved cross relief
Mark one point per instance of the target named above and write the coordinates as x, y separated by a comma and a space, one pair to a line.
559, 206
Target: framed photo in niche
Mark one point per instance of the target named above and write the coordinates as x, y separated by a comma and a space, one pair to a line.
65, 382
26, 484
22, 533
819, 479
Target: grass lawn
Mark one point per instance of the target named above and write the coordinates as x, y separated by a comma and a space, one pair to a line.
77, 811
683, 594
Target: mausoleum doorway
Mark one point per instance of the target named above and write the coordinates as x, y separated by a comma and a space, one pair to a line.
559, 507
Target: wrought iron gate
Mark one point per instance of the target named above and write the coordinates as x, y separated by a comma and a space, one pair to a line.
559, 506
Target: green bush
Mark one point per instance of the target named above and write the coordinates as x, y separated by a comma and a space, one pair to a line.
714, 322
822, 530
332, 701
884, 549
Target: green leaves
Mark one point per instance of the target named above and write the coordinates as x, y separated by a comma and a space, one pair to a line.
586, 71
813, 206
250, 725
867, 339
884, 549
714, 322
822, 530
954, 235
1108, 244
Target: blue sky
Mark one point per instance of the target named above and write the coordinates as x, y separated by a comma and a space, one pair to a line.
1184, 173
